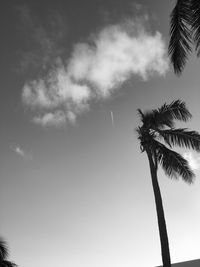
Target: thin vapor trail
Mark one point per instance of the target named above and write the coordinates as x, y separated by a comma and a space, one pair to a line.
112, 118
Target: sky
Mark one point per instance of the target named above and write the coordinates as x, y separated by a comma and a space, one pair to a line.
75, 189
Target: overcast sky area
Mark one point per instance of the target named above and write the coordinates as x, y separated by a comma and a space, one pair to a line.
75, 189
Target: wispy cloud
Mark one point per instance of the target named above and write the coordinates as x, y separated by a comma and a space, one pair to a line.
94, 71
21, 152
57, 118
193, 160
44, 40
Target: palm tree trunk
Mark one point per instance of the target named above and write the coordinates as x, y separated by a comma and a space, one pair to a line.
160, 213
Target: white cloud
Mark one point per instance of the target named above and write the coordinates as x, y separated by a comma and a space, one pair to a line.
57, 119
19, 151
36, 94
115, 54
71, 117
194, 161
94, 70
54, 90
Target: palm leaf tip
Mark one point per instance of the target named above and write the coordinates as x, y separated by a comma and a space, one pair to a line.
177, 110
195, 6
140, 113
8, 264
180, 35
3, 249
181, 137
174, 164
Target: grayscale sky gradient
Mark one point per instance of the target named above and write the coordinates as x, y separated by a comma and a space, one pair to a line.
75, 190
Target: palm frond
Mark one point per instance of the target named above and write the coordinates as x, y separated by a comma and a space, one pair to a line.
140, 113
150, 119
173, 163
165, 116
146, 117
180, 35
139, 136
181, 137
161, 119
3, 249
195, 7
8, 264
177, 110
145, 137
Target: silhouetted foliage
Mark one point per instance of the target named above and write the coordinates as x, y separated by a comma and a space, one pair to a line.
184, 32
157, 137
4, 255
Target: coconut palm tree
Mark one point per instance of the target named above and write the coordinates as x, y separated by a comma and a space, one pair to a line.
4, 255
184, 32
157, 136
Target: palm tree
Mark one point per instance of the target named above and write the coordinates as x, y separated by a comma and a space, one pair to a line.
158, 126
184, 32
4, 255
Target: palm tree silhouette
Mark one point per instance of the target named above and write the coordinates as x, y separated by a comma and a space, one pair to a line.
184, 32
4, 255
158, 126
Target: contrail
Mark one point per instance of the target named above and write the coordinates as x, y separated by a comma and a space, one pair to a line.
112, 118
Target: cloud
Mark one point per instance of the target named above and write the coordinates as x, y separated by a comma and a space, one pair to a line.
57, 98
57, 118
95, 70
194, 161
115, 54
19, 151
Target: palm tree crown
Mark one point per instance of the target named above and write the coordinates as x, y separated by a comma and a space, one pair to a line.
184, 32
158, 126
4, 255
